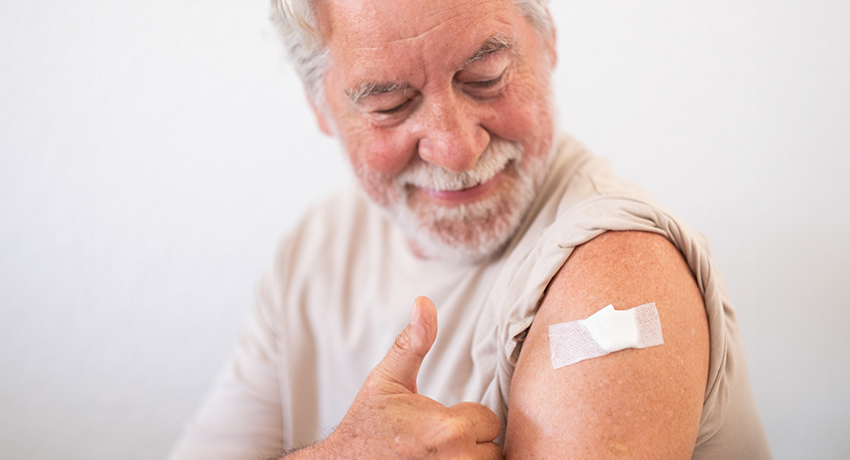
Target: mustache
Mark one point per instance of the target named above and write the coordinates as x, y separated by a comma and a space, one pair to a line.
492, 161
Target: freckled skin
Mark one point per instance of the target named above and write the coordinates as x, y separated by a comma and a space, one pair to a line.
634, 403
618, 448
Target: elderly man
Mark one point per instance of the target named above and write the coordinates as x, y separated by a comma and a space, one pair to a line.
468, 196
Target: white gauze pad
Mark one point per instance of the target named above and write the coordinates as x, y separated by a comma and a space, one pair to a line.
606, 331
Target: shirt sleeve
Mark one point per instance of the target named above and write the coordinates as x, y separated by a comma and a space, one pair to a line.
240, 417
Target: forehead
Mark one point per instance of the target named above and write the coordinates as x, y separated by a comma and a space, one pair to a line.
376, 33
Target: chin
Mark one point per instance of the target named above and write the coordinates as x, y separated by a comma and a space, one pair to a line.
472, 232
468, 233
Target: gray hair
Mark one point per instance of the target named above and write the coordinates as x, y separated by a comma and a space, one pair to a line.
305, 47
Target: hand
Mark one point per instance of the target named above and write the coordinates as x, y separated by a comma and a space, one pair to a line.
388, 419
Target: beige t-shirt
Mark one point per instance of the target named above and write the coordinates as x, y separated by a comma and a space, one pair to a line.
343, 284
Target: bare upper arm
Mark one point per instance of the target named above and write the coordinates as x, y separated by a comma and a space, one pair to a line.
634, 403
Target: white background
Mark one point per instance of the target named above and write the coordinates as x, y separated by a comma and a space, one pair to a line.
152, 153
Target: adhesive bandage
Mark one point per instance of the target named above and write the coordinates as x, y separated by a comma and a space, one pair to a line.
606, 331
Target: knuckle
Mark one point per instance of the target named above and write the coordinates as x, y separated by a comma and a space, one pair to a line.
402, 341
448, 429
492, 418
408, 447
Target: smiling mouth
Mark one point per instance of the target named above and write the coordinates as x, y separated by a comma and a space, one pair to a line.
462, 196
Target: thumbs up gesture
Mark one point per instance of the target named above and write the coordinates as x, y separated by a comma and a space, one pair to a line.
390, 420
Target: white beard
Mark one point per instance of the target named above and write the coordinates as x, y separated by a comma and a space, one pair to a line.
468, 233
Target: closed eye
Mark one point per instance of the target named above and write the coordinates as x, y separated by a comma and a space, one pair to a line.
487, 83
394, 110
486, 89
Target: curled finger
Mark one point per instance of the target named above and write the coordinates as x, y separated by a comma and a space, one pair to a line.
488, 451
483, 423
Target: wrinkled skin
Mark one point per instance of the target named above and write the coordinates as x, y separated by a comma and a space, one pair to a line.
418, 83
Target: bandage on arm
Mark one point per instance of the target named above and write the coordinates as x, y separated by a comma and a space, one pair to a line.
630, 403
606, 331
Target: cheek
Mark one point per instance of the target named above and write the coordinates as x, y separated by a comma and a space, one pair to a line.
378, 153
376, 161
523, 116
513, 121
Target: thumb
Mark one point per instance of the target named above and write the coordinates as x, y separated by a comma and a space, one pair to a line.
400, 366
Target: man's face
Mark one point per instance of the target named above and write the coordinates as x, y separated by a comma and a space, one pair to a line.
444, 109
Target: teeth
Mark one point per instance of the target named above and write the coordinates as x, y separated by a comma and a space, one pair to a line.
475, 184
427, 175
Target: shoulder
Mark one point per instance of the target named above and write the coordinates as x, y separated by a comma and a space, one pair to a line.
625, 269
634, 402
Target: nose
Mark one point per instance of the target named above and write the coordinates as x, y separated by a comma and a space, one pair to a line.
451, 133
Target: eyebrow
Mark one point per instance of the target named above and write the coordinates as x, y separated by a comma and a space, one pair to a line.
367, 89
494, 44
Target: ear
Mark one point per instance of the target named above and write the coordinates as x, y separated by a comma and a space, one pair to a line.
321, 120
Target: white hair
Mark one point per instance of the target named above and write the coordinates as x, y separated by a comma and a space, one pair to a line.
305, 47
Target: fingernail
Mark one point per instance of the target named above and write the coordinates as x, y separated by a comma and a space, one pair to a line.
414, 313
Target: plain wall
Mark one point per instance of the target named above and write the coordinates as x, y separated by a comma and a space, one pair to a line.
153, 153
